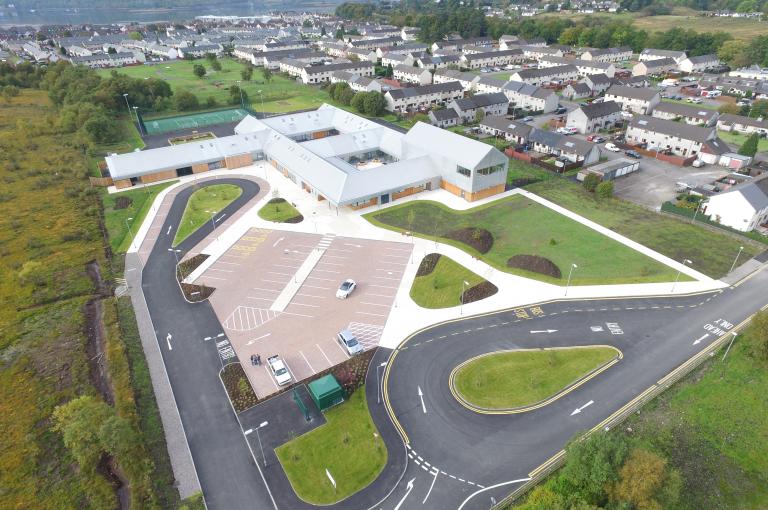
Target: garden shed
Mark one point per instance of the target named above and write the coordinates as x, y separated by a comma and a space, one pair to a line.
326, 392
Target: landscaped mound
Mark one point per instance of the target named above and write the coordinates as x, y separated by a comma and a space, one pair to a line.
280, 211
480, 291
535, 264
123, 202
428, 264
476, 237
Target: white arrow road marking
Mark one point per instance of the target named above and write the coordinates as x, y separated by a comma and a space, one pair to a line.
544, 331
698, 341
169, 229
580, 409
277, 242
207, 338
464, 503
220, 335
168, 339
257, 338
407, 492
421, 397
437, 472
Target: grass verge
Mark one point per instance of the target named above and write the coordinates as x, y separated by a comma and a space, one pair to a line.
520, 226
348, 445
119, 207
510, 379
202, 205
443, 287
279, 210
738, 139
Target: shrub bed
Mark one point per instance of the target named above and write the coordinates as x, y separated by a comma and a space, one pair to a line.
192, 292
123, 202
478, 238
479, 291
238, 387
535, 264
428, 264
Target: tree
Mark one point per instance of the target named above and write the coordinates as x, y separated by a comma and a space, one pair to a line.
749, 147
111, 51
266, 73
339, 33
323, 33
79, 421
389, 71
247, 72
198, 70
731, 108
9, 92
604, 189
101, 128
592, 465
237, 95
641, 480
186, 100
374, 103
479, 115
211, 102
216, 65
135, 36
357, 101
346, 95
210, 57
590, 182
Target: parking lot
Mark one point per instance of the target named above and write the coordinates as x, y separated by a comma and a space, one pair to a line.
275, 294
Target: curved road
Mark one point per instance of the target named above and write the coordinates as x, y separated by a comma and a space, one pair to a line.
454, 458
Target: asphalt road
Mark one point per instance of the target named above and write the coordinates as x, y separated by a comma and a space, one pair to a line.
454, 458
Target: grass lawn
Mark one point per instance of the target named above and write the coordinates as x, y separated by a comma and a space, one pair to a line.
280, 94
738, 138
348, 445
520, 226
713, 426
210, 198
442, 288
673, 237
141, 200
278, 212
706, 106
509, 379
129, 140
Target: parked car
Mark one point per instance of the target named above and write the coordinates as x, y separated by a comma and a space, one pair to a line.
346, 288
632, 154
561, 110
571, 131
348, 340
611, 147
527, 119
562, 130
279, 370
595, 139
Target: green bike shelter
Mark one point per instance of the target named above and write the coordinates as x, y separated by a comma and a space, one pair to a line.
326, 392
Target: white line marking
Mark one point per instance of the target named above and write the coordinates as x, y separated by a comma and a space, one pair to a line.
375, 314
308, 363
463, 504
266, 290
324, 354
374, 304
257, 338
303, 304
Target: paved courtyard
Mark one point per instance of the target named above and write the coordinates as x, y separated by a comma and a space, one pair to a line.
275, 294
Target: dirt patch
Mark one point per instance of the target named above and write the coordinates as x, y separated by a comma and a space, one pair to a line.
479, 291
476, 237
123, 202
193, 293
238, 387
428, 264
523, 181
535, 264
295, 219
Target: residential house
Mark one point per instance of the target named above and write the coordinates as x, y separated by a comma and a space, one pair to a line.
743, 207
423, 96
594, 117
373, 44
654, 54
742, 124
608, 54
356, 82
98, 60
467, 80
411, 74
323, 73
584, 67
699, 64
689, 114
511, 130
438, 62
654, 67
492, 104
575, 91
491, 59
397, 59
598, 83
520, 95
556, 74
632, 99
666, 135
199, 50
567, 147
444, 118
539, 52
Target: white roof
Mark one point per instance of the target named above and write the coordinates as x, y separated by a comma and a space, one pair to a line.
454, 147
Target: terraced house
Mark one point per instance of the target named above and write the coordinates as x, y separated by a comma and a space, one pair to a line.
323, 73
693, 115
634, 99
425, 96
666, 135
554, 74
492, 58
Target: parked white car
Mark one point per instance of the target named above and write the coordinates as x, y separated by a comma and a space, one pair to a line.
349, 342
345, 289
279, 370
611, 147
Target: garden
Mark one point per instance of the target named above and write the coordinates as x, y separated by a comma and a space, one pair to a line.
202, 206
441, 283
280, 210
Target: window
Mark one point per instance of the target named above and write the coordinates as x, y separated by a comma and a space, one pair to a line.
491, 170
463, 171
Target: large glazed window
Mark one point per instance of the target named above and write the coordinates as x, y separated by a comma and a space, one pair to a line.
466, 172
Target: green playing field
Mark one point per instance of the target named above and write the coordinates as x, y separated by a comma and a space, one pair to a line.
195, 120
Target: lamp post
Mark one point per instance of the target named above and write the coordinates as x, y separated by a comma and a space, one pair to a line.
128, 105
136, 112
741, 248
378, 382
698, 206
258, 436
677, 278
176, 255
730, 344
464, 285
570, 273
261, 95
240, 88
129, 227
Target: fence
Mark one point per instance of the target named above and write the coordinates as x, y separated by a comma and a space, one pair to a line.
622, 414
669, 207
668, 158
539, 161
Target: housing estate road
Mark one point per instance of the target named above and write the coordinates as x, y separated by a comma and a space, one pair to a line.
462, 459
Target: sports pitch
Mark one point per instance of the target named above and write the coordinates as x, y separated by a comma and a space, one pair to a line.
195, 120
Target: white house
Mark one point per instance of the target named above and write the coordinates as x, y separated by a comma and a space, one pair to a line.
730, 122
656, 66
666, 135
356, 82
556, 74
633, 99
584, 67
594, 116
423, 96
694, 115
467, 80
699, 64
743, 207
411, 74
654, 54
323, 73
493, 104
608, 54
491, 58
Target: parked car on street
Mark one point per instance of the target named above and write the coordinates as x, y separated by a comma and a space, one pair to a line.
349, 342
632, 154
279, 370
595, 139
527, 119
611, 147
345, 289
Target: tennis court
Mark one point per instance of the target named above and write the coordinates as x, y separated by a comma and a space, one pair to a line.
192, 121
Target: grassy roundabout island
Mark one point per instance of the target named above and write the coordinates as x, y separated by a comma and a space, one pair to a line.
348, 446
439, 283
210, 198
514, 380
280, 211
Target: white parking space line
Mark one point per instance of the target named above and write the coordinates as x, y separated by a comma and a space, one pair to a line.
269, 374
388, 296
273, 281
230, 263
374, 304
387, 278
310, 295
316, 287
214, 278
321, 278
223, 270
328, 271
382, 286
368, 313
304, 304
299, 315
389, 271
275, 272
324, 354
330, 263
289, 267
399, 256
265, 290
308, 363
341, 349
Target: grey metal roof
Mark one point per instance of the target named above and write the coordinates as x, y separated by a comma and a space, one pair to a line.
703, 59
506, 125
454, 147
547, 71
641, 93
451, 86
444, 114
672, 128
481, 101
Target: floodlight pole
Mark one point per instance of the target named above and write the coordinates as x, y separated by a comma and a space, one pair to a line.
128, 105
464, 285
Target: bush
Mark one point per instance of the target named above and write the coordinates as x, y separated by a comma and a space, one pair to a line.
186, 100
590, 182
604, 189
749, 147
198, 70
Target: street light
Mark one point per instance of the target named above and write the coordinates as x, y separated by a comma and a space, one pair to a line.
698, 206
741, 248
464, 285
136, 112
378, 382
261, 426
128, 105
570, 273
176, 255
261, 95
240, 88
129, 228
730, 344
685, 261
213, 218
